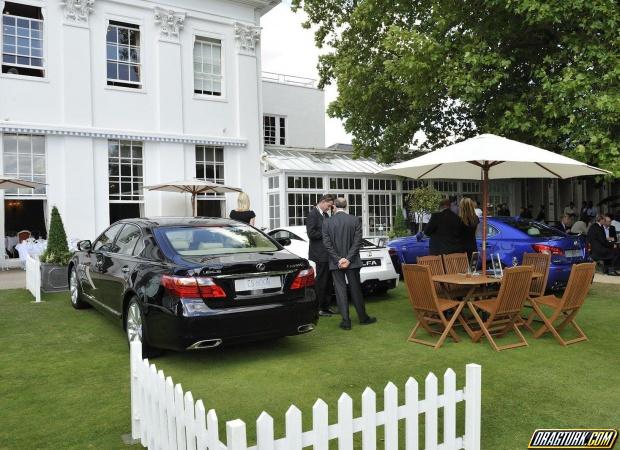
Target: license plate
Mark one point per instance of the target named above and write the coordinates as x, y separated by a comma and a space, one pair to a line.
255, 284
371, 262
573, 253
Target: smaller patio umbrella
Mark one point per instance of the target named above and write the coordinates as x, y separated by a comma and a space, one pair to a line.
12, 183
194, 187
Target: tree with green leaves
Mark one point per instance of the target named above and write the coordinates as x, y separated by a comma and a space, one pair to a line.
423, 73
423, 200
57, 251
399, 226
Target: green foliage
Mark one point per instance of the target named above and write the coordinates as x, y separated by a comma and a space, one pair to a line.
57, 251
542, 72
399, 226
423, 200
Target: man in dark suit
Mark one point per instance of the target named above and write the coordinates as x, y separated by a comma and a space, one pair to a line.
342, 236
601, 249
318, 253
444, 229
566, 223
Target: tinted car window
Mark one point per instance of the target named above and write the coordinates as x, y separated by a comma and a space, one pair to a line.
534, 229
126, 240
217, 240
149, 250
104, 242
491, 231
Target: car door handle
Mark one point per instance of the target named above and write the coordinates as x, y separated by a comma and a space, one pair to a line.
125, 269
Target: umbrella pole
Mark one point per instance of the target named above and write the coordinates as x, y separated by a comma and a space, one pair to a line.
194, 205
485, 202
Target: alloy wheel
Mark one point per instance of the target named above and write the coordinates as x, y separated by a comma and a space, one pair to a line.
134, 322
73, 287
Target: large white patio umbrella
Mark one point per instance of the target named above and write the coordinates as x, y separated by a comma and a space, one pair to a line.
194, 187
489, 157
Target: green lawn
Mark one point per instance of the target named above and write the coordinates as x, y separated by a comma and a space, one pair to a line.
64, 376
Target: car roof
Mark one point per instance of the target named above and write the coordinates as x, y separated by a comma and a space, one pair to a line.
179, 221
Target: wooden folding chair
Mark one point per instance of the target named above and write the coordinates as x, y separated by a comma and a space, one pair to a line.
565, 308
456, 263
429, 309
541, 263
504, 310
435, 265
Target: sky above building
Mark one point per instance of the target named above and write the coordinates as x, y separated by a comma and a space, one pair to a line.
289, 49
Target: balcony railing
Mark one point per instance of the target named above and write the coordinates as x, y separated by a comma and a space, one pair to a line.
289, 79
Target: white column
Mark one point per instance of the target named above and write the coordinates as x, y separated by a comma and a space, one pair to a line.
249, 114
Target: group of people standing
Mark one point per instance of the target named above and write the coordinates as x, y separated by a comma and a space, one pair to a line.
452, 232
335, 244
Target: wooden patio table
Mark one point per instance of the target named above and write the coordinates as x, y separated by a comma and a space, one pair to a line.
473, 281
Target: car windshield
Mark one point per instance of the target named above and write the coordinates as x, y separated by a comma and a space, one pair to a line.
534, 229
217, 240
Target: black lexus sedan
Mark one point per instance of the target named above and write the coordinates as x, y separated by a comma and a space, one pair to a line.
193, 283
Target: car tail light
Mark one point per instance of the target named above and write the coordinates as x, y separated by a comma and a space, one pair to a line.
192, 287
548, 249
305, 278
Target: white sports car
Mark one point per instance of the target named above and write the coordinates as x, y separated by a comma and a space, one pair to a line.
378, 274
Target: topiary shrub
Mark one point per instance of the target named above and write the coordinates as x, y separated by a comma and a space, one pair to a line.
57, 251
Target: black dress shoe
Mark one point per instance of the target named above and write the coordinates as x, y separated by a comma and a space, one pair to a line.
345, 325
325, 313
368, 320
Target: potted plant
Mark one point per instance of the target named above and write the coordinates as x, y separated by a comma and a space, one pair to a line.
55, 258
422, 201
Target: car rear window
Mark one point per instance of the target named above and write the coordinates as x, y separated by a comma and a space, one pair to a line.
534, 229
217, 240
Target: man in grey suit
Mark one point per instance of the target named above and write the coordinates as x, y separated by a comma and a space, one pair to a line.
342, 236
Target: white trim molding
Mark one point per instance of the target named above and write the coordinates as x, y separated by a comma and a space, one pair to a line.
77, 11
246, 36
101, 133
170, 22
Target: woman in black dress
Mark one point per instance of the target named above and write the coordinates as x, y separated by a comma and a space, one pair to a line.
243, 213
469, 225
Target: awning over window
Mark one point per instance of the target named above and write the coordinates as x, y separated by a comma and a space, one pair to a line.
319, 161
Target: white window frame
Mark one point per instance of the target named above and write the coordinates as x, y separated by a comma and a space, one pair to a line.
118, 83
198, 37
31, 175
279, 140
43, 67
133, 178
273, 205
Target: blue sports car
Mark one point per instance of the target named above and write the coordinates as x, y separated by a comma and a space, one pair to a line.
509, 237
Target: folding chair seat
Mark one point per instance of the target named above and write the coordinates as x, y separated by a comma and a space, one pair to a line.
504, 311
429, 309
566, 308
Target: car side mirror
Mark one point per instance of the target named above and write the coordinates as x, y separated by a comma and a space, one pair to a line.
85, 246
284, 242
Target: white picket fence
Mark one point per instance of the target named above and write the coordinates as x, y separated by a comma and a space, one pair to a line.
33, 277
164, 417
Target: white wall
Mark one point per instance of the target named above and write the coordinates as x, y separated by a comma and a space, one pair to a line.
304, 109
74, 93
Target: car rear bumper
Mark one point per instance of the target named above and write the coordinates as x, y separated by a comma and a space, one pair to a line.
558, 275
232, 325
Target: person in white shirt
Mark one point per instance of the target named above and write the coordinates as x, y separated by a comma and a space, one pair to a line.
570, 210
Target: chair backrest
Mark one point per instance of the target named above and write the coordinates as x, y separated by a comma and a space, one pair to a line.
23, 235
514, 289
422, 295
433, 263
541, 263
579, 283
456, 263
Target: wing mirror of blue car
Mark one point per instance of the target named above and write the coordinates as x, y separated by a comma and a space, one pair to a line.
284, 242
85, 246
419, 236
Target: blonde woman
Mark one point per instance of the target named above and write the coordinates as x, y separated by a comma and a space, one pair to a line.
243, 213
469, 223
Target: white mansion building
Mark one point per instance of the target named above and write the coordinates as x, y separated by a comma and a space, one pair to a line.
99, 98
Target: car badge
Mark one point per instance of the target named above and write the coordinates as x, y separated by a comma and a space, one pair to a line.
260, 267
576, 243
